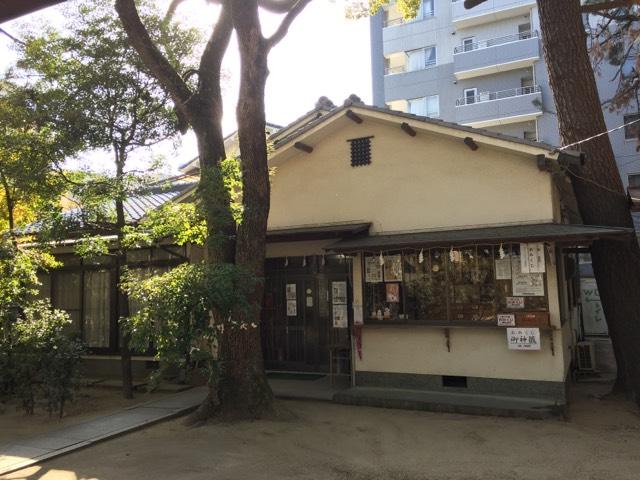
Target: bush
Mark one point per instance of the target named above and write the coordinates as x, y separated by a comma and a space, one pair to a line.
39, 363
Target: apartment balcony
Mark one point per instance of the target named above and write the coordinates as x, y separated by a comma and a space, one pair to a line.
488, 109
496, 55
489, 11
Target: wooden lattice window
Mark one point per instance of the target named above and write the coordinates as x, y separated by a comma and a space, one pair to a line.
360, 151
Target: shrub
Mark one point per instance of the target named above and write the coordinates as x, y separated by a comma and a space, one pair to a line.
41, 362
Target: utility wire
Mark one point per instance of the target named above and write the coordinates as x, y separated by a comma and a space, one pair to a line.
559, 149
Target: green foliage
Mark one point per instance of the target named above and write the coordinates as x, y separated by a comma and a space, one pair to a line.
184, 311
18, 276
101, 79
30, 146
232, 174
39, 362
180, 222
359, 8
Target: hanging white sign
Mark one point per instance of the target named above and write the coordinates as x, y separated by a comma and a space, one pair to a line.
525, 284
523, 338
506, 320
292, 308
340, 316
503, 268
291, 291
339, 293
532, 257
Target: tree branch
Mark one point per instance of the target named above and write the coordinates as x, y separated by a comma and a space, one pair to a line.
277, 6
598, 7
211, 61
151, 55
291, 15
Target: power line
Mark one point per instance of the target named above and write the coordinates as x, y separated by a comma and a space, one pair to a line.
559, 149
17, 40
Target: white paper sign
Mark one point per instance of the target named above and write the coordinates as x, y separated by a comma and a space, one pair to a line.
340, 318
523, 338
503, 268
506, 320
525, 284
339, 293
372, 270
515, 302
291, 291
292, 308
532, 257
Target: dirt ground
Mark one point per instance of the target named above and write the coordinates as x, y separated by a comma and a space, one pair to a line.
600, 440
90, 402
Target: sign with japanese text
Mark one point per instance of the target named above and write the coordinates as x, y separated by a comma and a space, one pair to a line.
506, 320
523, 338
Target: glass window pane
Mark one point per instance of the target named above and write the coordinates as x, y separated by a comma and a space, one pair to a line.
430, 56
415, 60
433, 106
418, 106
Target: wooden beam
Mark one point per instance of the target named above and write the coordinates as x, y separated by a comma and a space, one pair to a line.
407, 129
353, 116
469, 142
544, 165
303, 146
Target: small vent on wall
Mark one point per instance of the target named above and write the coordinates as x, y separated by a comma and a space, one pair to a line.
360, 151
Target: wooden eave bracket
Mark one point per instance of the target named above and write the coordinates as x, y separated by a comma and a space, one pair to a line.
303, 146
408, 129
470, 142
351, 115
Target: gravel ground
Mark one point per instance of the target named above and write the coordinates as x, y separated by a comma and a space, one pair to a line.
599, 440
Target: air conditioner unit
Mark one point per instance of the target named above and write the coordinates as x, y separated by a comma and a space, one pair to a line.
586, 354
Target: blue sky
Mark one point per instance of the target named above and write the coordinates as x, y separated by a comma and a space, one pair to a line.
323, 54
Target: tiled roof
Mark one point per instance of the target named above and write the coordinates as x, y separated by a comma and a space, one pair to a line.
279, 140
510, 233
135, 208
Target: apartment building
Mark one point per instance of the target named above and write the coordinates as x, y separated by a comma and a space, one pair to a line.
483, 68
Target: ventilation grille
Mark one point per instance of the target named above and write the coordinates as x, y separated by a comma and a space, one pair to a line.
586, 356
360, 151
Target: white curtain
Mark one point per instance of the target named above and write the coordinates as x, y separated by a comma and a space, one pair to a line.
97, 308
433, 106
418, 106
415, 60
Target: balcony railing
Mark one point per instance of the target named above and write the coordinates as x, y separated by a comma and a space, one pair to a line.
469, 47
490, 96
401, 21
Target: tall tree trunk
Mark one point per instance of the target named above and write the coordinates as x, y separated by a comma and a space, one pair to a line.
597, 185
243, 385
121, 262
11, 206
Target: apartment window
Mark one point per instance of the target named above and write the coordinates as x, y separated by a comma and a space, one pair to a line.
634, 180
428, 8
470, 95
421, 58
632, 132
425, 106
467, 44
524, 30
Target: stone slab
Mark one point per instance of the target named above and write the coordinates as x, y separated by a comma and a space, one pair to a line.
28, 452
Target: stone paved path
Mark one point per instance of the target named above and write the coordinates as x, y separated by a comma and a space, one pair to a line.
26, 452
